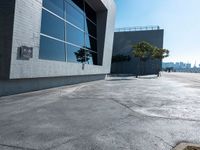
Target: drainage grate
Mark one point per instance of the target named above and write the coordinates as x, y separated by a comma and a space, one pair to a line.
192, 148
187, 146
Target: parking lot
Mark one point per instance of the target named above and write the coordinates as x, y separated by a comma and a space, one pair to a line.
119, 113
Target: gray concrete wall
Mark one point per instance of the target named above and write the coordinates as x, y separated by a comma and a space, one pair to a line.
27, 32
123, 43
16, 86
6, 30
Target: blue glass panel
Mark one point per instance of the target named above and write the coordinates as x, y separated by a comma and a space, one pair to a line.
78, 4
75, 54
56, 6
51, 49
74, 35
74, 16
52, 26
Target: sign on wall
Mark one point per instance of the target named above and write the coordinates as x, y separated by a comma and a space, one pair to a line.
26, 52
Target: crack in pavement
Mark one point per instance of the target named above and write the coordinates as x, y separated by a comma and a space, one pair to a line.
173, 118
161, 139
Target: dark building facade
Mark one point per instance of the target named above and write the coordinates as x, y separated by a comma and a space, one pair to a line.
49, 43
125, 38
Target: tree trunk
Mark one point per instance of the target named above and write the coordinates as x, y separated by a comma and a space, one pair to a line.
138, 69
158, 68
143, 67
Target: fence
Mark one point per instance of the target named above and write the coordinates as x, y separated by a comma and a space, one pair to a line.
137, 28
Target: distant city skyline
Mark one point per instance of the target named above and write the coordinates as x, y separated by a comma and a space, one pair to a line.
179, 18
180, 67
177, 65
192, 65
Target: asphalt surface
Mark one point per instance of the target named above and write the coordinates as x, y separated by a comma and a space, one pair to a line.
124, 113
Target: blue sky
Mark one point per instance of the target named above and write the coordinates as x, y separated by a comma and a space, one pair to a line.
179, 18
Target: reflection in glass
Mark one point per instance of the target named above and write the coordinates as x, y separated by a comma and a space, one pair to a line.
80, 30
92, 58
78, 4
90, 28
91, 43
71, 50
56, 6
82, 55
51, 49
90, 13
74, 35
74, 16
52, 25
77, 54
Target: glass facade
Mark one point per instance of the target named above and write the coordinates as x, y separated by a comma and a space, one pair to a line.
68, 32
54, 6
75, 35
52, 26
52, 49
75, 16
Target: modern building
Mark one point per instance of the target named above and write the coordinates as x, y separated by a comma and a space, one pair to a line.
49, 43
125, 39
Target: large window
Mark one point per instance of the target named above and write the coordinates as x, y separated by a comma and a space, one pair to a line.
51, 49
75, 35
56, 6
75, 16
68, 32
52, 25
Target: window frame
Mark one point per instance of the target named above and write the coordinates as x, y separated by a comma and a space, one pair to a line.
67, 23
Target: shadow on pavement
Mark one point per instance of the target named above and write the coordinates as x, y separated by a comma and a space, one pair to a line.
148, 77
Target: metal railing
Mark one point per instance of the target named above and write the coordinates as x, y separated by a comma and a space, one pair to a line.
137, 28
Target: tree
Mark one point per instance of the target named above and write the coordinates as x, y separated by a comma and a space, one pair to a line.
159, 54
143, 51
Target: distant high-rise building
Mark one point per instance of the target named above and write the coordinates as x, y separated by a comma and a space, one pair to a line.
195, 64
188, 66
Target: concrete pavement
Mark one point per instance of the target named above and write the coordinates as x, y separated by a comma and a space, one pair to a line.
116, 114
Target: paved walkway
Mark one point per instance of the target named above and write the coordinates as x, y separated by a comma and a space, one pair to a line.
117, 114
